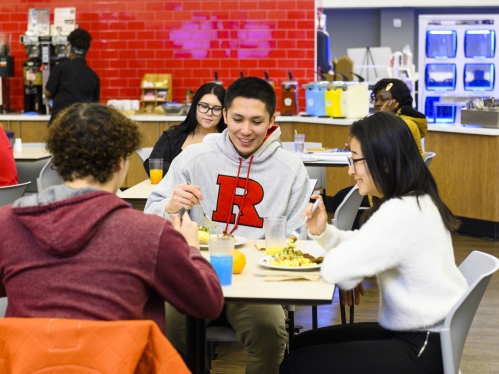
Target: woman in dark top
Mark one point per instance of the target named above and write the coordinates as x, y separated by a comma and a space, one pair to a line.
204, 117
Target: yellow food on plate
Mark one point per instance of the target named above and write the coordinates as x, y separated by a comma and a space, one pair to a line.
316, 149
203, 234
291, 257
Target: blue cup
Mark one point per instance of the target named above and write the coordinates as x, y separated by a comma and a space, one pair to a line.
222, 257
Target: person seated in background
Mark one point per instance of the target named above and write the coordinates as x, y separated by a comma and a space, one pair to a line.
393, 96
8, 169
405, 240
77, 250
204, 117
241, 177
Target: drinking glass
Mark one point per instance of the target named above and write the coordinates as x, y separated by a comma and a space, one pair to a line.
275, 234
156, 170
299, 143
222, 257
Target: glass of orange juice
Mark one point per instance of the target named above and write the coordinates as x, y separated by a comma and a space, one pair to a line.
275, 234
156, 170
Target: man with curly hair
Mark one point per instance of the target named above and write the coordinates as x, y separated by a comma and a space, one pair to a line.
77, 250
73, 81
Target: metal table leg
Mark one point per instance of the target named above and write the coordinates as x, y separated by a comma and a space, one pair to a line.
195, 344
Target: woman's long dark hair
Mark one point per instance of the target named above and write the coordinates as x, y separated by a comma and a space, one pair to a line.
190, 123
395, 163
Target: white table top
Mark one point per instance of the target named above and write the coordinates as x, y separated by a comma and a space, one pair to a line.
140, 191
247, 288
31, 154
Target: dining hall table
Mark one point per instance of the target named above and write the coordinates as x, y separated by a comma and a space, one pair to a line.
260, 283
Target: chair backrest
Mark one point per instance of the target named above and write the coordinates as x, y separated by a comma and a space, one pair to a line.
9, 194
477, 268
428, 157
3, 306
345, 214
48, 177
211, 137
43, 345
144, 153
314, 172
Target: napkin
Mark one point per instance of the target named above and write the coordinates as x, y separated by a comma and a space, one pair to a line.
313, 278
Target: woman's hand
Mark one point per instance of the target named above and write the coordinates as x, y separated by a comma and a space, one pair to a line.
185, 195
187, 227
346, 296
390, 106
317, 221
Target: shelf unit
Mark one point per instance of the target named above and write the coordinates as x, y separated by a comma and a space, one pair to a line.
156, 90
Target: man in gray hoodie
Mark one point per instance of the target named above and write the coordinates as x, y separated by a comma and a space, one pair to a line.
242, 177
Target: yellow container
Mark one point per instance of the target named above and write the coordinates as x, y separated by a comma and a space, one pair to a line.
333, 102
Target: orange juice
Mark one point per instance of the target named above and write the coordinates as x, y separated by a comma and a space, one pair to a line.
273, 250
156, 176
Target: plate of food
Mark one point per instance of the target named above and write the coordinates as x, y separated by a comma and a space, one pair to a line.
320, 150
291, 259
204, 235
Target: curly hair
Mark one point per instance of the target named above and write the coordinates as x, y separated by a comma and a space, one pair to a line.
88, 140
80, 38
399, 91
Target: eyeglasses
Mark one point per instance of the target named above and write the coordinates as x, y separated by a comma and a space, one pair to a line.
353, 161
216, 110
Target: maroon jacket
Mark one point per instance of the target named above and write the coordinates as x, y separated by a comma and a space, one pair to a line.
93, 257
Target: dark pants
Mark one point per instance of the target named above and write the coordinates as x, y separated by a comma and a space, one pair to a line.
362, 348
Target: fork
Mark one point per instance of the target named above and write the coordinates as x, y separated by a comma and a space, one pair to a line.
207, 219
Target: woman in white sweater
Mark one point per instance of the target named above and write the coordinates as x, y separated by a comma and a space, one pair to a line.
405, 241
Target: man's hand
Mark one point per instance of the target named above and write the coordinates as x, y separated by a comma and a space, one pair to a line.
187, 227
390, 106
185, 195
346, 296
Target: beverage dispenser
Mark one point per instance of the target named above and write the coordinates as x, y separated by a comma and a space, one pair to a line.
355, 100
289, 97
333, 99
315, 98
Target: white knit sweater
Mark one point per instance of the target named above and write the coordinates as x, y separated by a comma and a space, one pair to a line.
410, 251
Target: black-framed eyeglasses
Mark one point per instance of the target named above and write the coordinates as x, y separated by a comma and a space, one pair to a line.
204, 108
353, 161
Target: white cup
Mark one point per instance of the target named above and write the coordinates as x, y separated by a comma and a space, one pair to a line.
18, 145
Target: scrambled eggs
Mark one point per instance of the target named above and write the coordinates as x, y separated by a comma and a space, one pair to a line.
290, 257
203, 234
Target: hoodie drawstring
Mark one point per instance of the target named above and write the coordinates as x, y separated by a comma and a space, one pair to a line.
234, 194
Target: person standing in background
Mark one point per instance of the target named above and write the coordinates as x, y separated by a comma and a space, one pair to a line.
73, 81
8, 169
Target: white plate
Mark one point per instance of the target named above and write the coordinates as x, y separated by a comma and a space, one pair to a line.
238, 240
341, 157
265, 262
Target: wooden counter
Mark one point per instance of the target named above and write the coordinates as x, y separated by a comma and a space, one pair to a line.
466, 166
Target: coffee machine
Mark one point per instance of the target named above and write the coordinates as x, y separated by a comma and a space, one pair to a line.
44, 51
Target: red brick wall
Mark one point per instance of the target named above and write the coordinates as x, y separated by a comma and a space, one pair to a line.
190, 39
